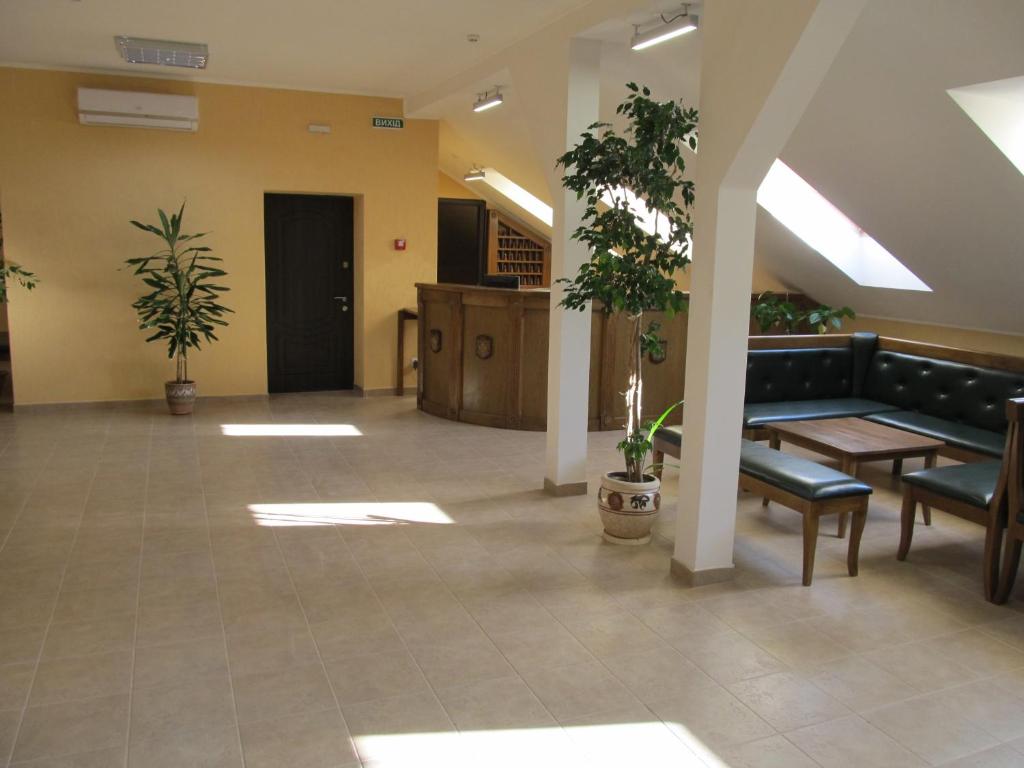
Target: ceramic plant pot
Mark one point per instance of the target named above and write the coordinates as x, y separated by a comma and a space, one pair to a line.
181, 397
628, 510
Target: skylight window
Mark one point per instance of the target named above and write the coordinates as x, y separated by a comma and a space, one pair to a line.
804, 212
997, 108
528, 202
648, 219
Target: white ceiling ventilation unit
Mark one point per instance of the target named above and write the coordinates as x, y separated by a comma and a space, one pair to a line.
138, 110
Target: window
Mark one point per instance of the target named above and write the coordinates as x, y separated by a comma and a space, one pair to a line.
997, 108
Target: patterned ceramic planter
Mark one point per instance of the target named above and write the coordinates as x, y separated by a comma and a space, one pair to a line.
181, 396
628, 510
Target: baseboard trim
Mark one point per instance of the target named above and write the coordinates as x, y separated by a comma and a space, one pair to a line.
410, 390
702, 577
565, 489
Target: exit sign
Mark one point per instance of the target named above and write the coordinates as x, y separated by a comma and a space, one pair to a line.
388, 122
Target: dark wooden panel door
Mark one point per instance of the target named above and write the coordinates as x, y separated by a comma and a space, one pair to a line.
461, 241
309, 254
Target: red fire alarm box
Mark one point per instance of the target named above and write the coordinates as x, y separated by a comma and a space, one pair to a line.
400, 244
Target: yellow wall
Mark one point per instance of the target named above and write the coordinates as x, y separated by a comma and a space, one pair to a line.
68, 192
981, 341
449, 187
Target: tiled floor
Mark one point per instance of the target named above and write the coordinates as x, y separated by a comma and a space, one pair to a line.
171, 595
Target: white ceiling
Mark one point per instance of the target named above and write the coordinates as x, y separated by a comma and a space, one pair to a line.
888, 146
383, 47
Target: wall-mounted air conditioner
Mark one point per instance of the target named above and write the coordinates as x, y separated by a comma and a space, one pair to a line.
138, 110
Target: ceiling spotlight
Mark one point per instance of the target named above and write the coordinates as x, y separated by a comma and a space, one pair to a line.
487, 99
666, 30
475, 174
138, 50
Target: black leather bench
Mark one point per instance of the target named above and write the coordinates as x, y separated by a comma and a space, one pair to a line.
809, 488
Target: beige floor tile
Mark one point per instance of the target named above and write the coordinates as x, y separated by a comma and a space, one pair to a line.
921, 667
714, 718
1003, 756
977, 651
103, 758
659, 674
209, 746
160, 713
285, 692
313, 740
728, 657
81, 639
850, 742
362, 634
608, 634
631, 737
769, 752
578, 690
15, 682
929, 729
271, 651
455, 664
189, 662
94, 604
78, 726
496, 704
81, 677
797, 644
381, 728
539, 649
375, 676
787, 701
1009, 629
9, 721
161, 624
860, 684
994, 709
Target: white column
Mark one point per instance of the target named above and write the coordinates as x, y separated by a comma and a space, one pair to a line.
569, 331
761, 65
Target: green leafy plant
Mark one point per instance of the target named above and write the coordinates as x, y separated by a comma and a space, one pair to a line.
11, 271
636, 446
824, 316
632, 270
184, 303
771, 311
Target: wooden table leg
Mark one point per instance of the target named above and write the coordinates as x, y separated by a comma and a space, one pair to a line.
400, 383
860, 517
906, 522
926, 511
810, 544
849, 467
897, 467
774, 442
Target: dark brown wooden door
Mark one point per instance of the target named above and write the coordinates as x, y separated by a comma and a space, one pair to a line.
309, 292
461, 241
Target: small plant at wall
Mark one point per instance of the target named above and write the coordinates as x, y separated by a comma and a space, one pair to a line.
183, 306
620, 174
771, 311
11, 271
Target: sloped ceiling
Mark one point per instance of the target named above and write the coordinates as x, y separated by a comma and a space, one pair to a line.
383, 48
888, 146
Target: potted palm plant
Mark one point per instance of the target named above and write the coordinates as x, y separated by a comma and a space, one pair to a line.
183, 306
638, 227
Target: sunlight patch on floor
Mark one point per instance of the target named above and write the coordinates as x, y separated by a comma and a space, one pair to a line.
290, 430
649, 744
349, 513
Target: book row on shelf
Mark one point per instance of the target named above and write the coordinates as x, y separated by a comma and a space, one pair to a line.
531, 255
521, 268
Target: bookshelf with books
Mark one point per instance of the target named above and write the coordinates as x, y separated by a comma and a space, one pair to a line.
513, 249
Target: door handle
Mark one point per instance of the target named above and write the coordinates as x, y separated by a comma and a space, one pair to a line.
341, 298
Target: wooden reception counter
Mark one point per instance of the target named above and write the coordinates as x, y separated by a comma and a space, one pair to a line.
483, 358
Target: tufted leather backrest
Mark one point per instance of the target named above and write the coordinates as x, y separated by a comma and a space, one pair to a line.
774, 375
957, 392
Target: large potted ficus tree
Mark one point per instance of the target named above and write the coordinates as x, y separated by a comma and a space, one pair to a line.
183, 305
625, 177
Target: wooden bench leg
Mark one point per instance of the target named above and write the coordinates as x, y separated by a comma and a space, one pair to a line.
658, 457
990, 561
1011, 562
860, 517
926, 511
810, 545
907, 515
841, 527
897, 467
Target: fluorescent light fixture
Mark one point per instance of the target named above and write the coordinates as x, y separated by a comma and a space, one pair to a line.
997, 108
385, 513
475, 174
667, 30
139, 50
290, 430
488, 100
804, 212
528, 202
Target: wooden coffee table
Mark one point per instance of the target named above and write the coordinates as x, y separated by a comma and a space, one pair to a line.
854, 441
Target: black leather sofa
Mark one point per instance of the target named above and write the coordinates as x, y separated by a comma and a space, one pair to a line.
945, 393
